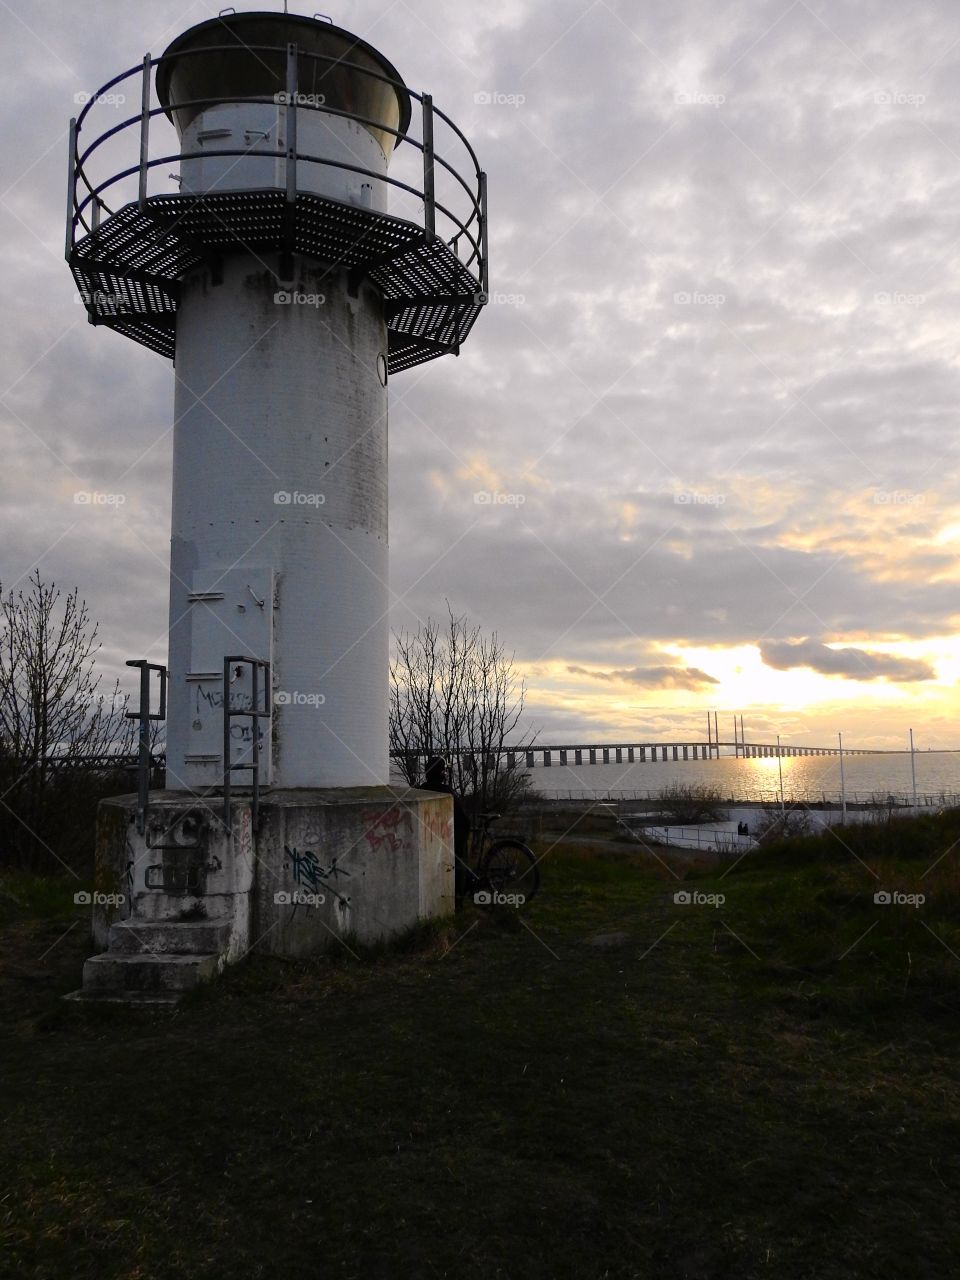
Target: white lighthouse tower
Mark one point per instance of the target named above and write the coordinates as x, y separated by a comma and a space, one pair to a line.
265, 256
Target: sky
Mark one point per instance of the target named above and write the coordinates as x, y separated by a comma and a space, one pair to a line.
699, 451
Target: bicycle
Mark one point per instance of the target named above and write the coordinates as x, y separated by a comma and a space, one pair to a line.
506, 870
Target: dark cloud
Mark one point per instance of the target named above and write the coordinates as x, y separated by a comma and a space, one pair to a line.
666, 677
854, 664
661, 677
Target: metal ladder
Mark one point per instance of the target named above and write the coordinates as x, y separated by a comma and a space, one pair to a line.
145, 715
254, 712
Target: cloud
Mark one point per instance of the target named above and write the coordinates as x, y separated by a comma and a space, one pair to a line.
666, 677
719, 364
853, 664
659, 677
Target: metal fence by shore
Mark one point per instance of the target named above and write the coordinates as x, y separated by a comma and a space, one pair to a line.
709, 839
762, 797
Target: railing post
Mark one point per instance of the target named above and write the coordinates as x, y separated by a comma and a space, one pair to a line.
484, 271
143, 763
290, 207
255, 744
144, 130
226, 745
71, 187
429, 190
291, 123
145, 715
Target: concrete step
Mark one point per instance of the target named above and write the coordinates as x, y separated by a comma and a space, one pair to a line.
113, 972
140, 999
169, 937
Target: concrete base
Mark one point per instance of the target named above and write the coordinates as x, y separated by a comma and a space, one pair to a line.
176, 903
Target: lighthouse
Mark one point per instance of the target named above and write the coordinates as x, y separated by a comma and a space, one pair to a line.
246, 221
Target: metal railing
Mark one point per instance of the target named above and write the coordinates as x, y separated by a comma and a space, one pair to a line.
762, 796
254, 712
145, 716
710, 840
87, 203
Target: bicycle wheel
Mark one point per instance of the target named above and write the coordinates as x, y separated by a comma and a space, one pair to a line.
510, 868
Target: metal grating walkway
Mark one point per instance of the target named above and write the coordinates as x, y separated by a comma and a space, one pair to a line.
128, 268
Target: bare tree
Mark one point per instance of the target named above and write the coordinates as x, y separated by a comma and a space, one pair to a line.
455, 693
689, 803
787, 824
52, 713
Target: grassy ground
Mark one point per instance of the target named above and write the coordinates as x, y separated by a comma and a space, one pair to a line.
765, 1087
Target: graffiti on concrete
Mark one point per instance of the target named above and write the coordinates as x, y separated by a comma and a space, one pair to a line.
245, 841
310, 873
436, 825
383, 831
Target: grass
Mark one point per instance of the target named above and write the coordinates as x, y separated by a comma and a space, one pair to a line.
769, 1087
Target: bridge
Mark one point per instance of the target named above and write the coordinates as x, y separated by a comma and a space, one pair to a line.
545, 755
534, 755
642, 753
